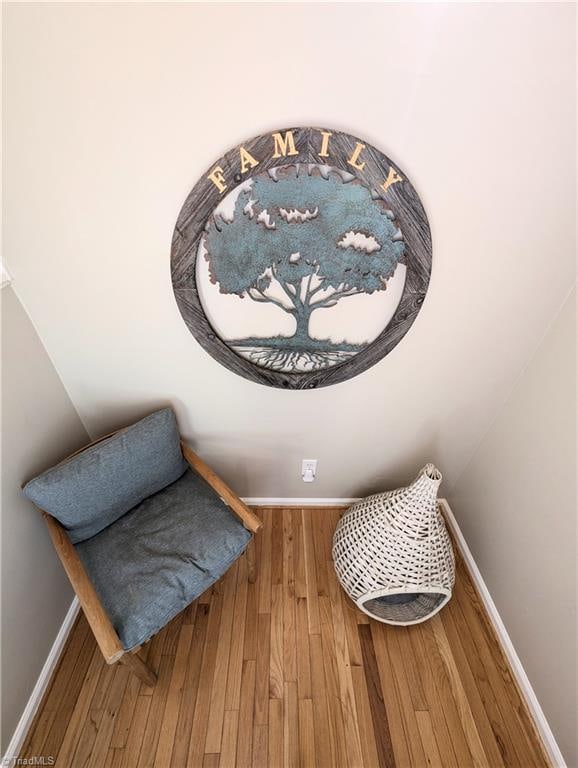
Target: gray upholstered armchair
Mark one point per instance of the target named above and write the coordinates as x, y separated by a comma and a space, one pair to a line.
142, 526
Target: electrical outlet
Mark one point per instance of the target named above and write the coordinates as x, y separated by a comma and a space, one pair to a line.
308, 470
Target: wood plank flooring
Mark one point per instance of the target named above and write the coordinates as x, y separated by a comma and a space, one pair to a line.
287, 672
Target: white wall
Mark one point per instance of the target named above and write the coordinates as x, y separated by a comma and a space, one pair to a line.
39, 427
114, 111
516, 505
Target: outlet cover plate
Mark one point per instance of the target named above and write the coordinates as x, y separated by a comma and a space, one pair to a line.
308, 470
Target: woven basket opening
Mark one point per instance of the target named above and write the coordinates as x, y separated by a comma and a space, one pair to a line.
404, 607
432, 472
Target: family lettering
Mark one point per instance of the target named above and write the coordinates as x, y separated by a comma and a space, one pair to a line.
283, 145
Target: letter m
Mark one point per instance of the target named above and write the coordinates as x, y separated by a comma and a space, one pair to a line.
284, 145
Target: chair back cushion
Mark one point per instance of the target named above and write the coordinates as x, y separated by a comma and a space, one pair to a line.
89, 491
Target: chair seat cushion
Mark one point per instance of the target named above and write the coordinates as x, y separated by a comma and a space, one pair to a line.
152, 562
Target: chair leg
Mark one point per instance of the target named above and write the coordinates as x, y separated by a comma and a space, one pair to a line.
138, 667
250, 555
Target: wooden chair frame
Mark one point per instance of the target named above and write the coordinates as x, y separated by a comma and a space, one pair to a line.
104, 633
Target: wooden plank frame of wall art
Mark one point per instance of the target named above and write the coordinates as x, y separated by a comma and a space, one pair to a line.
347, 153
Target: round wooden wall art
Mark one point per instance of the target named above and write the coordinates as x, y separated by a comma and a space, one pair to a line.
301, 257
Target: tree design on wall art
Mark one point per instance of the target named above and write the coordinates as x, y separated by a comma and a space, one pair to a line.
302, 240
301, 257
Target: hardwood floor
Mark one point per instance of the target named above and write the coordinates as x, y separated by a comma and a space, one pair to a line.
287, 672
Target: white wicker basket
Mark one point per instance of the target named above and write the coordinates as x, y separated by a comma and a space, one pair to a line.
393, 555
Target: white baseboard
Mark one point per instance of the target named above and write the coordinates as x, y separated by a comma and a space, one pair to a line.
41, 686
524, 684
274, 501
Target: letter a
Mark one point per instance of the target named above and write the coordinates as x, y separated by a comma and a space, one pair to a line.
247, 160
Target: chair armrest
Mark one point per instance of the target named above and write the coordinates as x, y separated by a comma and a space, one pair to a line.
96, 616
247, 517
